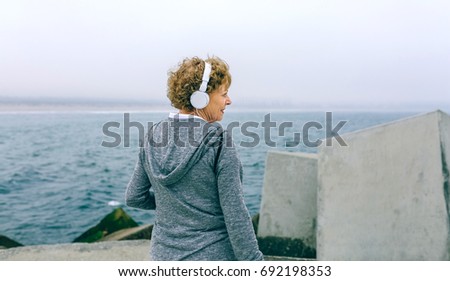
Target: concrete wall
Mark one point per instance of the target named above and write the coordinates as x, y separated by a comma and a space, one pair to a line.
135, 250
289, 201
444, 125
131, 250
385, 195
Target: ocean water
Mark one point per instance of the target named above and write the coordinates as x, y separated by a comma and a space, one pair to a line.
57, 179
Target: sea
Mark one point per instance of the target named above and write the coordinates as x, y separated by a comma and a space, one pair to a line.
62, 172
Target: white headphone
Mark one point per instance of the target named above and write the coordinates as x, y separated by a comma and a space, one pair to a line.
200, 98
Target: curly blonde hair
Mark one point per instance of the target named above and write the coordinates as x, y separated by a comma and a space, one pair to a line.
187, 78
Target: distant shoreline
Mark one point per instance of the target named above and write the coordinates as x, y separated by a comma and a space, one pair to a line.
61, 108
13, 106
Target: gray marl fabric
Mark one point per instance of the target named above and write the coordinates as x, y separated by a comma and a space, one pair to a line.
190, 172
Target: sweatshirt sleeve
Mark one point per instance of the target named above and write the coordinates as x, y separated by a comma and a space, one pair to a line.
138, 193
236, 215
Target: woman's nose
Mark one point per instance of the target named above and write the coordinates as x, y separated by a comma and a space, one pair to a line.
228, 101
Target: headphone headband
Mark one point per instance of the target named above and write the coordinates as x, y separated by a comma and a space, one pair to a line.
205, 78
200, 99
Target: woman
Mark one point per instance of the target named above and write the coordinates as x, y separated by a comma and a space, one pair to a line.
189, 171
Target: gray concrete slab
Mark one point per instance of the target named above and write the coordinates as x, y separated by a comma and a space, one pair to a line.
130, 250
385, 195
289, 207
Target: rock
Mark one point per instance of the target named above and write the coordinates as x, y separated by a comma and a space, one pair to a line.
133, 233
255, 222
112, 222
6, 243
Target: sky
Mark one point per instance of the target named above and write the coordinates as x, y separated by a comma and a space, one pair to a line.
291, 53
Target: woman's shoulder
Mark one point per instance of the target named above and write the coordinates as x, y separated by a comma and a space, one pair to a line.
218, 134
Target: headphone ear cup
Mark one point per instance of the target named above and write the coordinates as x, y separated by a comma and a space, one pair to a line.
199, 100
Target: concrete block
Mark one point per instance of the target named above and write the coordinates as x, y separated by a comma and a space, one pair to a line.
289, 205
134, 250
385, 196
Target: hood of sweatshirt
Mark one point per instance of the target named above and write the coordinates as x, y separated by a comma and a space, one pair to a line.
176, 144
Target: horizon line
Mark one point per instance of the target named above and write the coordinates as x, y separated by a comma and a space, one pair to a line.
58, 104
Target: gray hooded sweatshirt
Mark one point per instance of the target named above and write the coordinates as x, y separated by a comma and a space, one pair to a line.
189, 171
